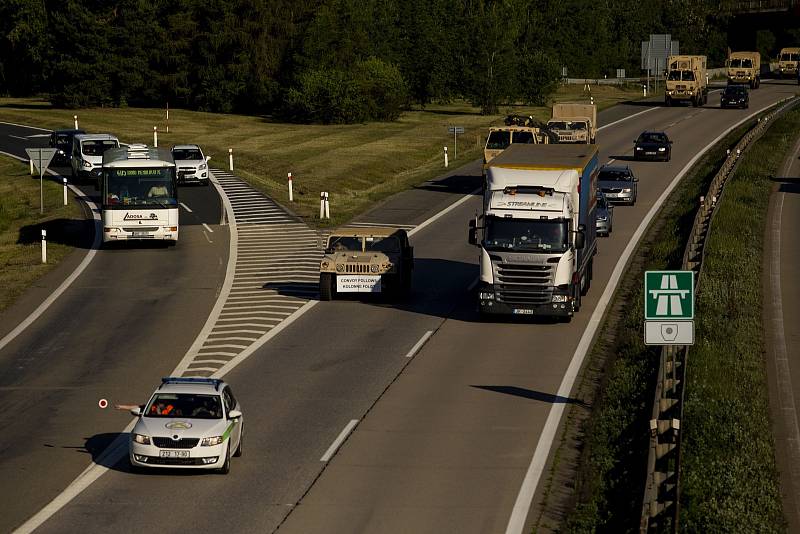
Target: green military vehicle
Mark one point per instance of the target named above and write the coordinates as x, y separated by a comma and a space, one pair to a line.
366, 260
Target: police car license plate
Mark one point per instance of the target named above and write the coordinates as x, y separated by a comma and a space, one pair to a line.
173, 454
522, 311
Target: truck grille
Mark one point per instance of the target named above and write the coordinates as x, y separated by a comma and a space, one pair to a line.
169, 443
524, 284
612, 190
356, 268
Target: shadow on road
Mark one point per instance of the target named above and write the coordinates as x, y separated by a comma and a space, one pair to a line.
459, 184
531, 394
75, 233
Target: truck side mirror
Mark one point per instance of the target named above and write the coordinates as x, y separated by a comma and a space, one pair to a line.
580, 237
473, 233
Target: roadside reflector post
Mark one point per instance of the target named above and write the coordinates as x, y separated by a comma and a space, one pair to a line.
65, 191
644, 91
230, 159
31, 162
75, 118
291, 198
446, 162
327, 206
322, 205
155, 136
44, 245
167, 117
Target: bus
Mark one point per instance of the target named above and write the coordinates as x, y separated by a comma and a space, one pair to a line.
139, 195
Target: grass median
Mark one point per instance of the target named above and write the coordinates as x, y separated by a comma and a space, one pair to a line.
729, 475
357, 164
20, 222
597, 481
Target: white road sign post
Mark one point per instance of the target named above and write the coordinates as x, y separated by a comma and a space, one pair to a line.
41, 158
669, 308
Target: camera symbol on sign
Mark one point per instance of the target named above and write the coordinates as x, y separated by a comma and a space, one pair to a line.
669, 331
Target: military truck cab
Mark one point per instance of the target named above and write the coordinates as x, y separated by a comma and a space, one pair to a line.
366, 260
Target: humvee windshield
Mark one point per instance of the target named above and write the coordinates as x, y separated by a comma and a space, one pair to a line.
341, 244
525, 138
498, 140
382, 244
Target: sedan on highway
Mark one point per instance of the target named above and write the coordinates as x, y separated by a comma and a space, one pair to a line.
604, 215
193, 423
618, 184
192, 164
652, 146
735, 96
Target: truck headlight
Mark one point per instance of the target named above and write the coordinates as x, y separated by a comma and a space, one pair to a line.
560, 298
374, 267
340, 268
210, 442
486, 295
141, 438
691, 92
324, 265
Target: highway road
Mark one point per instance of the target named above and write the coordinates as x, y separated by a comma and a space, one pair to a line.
445, 434
782, 315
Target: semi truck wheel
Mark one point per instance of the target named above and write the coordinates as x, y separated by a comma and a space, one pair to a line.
325, 286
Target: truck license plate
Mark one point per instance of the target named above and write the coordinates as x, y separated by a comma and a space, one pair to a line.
358, 283
522, 311
174, 454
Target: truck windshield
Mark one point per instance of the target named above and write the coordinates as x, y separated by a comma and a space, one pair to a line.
344, 244
141, 187
735, 63
687, 76
674, 76
525, 138
526, 235
382, 244
498, 140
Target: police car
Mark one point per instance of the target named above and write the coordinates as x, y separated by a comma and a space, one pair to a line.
188, 423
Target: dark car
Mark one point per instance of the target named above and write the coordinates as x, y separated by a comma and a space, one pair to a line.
735, 96
653, 146
62, 140
618, 184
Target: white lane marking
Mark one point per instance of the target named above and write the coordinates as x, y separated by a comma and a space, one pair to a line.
187, 208
623, 119
444, 212
418, 345
207, 227
783, 376
516, 523
26, 126
8, 338
207, 238
339, 440
18, 137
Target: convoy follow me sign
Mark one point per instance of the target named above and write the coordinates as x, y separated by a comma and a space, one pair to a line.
669, 307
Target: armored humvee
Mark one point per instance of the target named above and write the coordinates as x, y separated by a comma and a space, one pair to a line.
366, 260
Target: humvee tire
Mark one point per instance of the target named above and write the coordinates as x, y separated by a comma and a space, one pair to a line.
325, 286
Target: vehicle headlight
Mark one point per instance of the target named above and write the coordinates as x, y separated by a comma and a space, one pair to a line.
669, 92
340, 268
691, 92
626, 190
560, 298
374, 267
87, 164
387, 266
324, 264
141, 438
486, 295
203, 166
662, 149
639, 148
210, 442
602, 217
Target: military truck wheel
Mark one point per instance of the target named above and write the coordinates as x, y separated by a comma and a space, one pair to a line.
326, 286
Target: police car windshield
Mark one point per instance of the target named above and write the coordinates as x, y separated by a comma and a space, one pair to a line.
191, 405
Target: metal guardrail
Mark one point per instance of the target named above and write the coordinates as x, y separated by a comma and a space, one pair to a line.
760, 6
661, 501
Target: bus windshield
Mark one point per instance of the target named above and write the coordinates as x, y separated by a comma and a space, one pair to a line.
140, 187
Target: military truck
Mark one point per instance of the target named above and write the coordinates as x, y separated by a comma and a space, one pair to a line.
744, 67
788, 60
686, 80
517, 130
366, 260
574, 123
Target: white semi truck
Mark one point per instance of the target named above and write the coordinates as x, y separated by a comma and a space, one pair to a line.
537, 234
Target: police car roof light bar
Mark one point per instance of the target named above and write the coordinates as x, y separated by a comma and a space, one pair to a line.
191, 380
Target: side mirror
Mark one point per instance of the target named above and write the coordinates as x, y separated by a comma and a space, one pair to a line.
635, 179
580, 239
208, 158
234, 414
473, 233
136, 411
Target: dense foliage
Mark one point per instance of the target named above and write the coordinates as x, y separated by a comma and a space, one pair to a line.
330, 60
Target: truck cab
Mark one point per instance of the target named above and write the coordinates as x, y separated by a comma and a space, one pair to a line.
744, 68
574, 123
686, 80
788, 61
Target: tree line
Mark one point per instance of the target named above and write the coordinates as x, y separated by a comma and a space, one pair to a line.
330, 61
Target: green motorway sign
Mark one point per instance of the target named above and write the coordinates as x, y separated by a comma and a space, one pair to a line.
668, 295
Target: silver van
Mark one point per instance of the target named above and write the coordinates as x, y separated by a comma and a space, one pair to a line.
87, 154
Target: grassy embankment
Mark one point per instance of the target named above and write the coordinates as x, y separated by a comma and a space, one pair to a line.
601, 459
358, 164
729, 475
20, 249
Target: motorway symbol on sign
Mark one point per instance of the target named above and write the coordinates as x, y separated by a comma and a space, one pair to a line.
41, 157
668, 295
455, 129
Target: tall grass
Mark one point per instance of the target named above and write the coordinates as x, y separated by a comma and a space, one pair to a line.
730, 480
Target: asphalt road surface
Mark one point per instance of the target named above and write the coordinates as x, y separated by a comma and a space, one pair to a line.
444, 437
